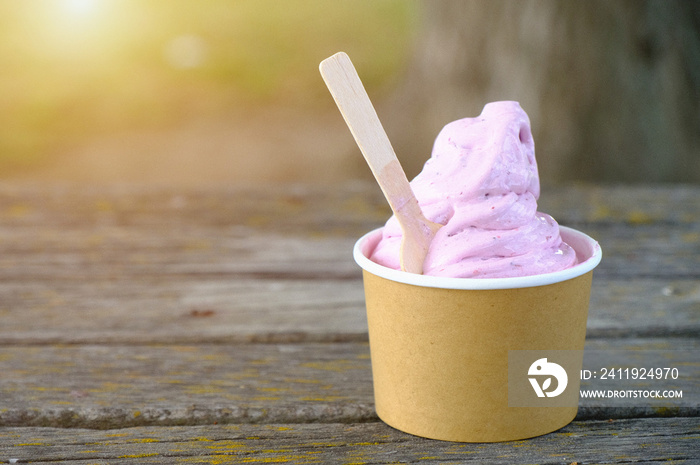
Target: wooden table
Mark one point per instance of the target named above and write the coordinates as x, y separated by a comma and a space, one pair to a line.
146, 325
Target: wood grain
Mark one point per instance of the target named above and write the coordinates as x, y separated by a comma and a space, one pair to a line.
605, 442
107, 386
219, 309
237, 317
150, 266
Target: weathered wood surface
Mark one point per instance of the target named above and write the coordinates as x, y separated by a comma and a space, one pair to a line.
143, 266
653, 440
224, 309
109, 386
175, 311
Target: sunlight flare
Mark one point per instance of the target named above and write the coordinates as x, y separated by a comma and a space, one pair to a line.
80, 8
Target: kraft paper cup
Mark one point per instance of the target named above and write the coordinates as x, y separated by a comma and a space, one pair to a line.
440, 346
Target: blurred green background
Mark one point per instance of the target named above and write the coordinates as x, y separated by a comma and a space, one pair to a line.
74, 72
204, 92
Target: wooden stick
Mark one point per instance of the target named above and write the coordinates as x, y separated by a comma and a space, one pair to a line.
349, 94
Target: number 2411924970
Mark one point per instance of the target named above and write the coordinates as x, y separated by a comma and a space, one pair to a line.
632, 373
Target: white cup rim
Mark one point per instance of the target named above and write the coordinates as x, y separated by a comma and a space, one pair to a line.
587, 249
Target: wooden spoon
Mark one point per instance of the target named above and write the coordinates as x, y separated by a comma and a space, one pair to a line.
354, 104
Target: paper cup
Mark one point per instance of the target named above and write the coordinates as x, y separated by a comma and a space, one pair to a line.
440, 346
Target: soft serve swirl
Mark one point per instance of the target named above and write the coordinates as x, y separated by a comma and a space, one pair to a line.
481, 183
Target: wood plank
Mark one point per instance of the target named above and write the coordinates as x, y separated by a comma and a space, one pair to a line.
634, 205
182, 310
190, 309
64, 254
606, 442
653, 251
54, 255
351, 208
345, 207
68, 234
644, 308
105, 386
117, 386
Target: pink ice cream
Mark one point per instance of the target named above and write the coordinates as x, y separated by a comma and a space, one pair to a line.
481, 183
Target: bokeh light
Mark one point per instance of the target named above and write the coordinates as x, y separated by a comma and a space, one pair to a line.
186, 51
80, 8
75, 71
